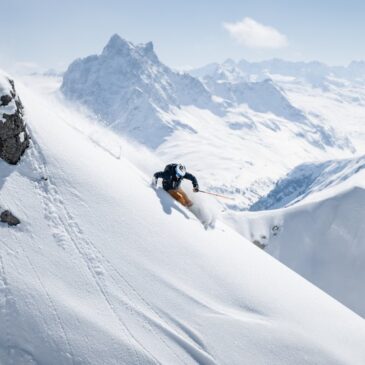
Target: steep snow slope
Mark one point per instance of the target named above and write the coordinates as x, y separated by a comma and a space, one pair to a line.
307, 179
323, 237
104, 270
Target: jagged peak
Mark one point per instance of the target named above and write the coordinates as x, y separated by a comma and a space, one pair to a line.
229, 62
147, 50
148, 47
117, 44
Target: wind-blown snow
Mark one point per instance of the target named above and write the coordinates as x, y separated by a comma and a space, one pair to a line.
99, 273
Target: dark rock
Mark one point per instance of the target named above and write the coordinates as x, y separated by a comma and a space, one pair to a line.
8, 217
259, 244
5, 100
14, 138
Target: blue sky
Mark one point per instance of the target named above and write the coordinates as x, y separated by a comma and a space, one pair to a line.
186, 33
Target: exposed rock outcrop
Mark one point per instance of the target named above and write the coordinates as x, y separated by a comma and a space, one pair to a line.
8, 217
14, 138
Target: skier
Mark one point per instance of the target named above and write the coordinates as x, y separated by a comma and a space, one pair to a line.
172, 177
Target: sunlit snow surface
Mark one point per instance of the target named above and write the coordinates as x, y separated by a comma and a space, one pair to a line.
106, 270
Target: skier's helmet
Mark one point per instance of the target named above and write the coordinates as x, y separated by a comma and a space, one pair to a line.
180, 170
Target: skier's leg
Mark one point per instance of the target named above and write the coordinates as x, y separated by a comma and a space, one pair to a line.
181, 197
174, 194
184, 198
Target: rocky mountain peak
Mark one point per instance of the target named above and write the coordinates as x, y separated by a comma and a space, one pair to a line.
117, 45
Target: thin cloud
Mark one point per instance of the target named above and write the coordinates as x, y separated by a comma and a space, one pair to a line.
250, 33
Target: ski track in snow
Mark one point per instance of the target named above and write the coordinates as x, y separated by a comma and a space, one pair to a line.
13, 354
65, 229
53, 307
54, 209
5, 300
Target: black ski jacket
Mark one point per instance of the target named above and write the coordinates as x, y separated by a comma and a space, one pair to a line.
171, 181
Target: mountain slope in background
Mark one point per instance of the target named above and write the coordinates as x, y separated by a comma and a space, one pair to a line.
307, 179
98, 273
313, 72
330, 96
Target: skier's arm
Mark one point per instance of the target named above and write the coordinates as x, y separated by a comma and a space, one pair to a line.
193, 179
158, 174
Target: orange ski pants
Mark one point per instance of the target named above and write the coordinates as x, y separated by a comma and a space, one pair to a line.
181, 197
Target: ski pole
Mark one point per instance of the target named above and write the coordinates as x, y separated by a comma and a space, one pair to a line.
220, 196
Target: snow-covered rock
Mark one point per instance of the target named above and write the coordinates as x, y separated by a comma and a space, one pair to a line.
9, 218
108, 271
14, 138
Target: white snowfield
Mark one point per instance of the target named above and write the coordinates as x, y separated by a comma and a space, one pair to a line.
105, 270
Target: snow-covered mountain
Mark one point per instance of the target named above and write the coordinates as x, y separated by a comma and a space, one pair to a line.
322, 237
105, 270
262, 97
238, 137
129, 88
307, 179
326, 95
313, 72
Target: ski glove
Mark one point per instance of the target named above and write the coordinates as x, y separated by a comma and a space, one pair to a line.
196, 189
